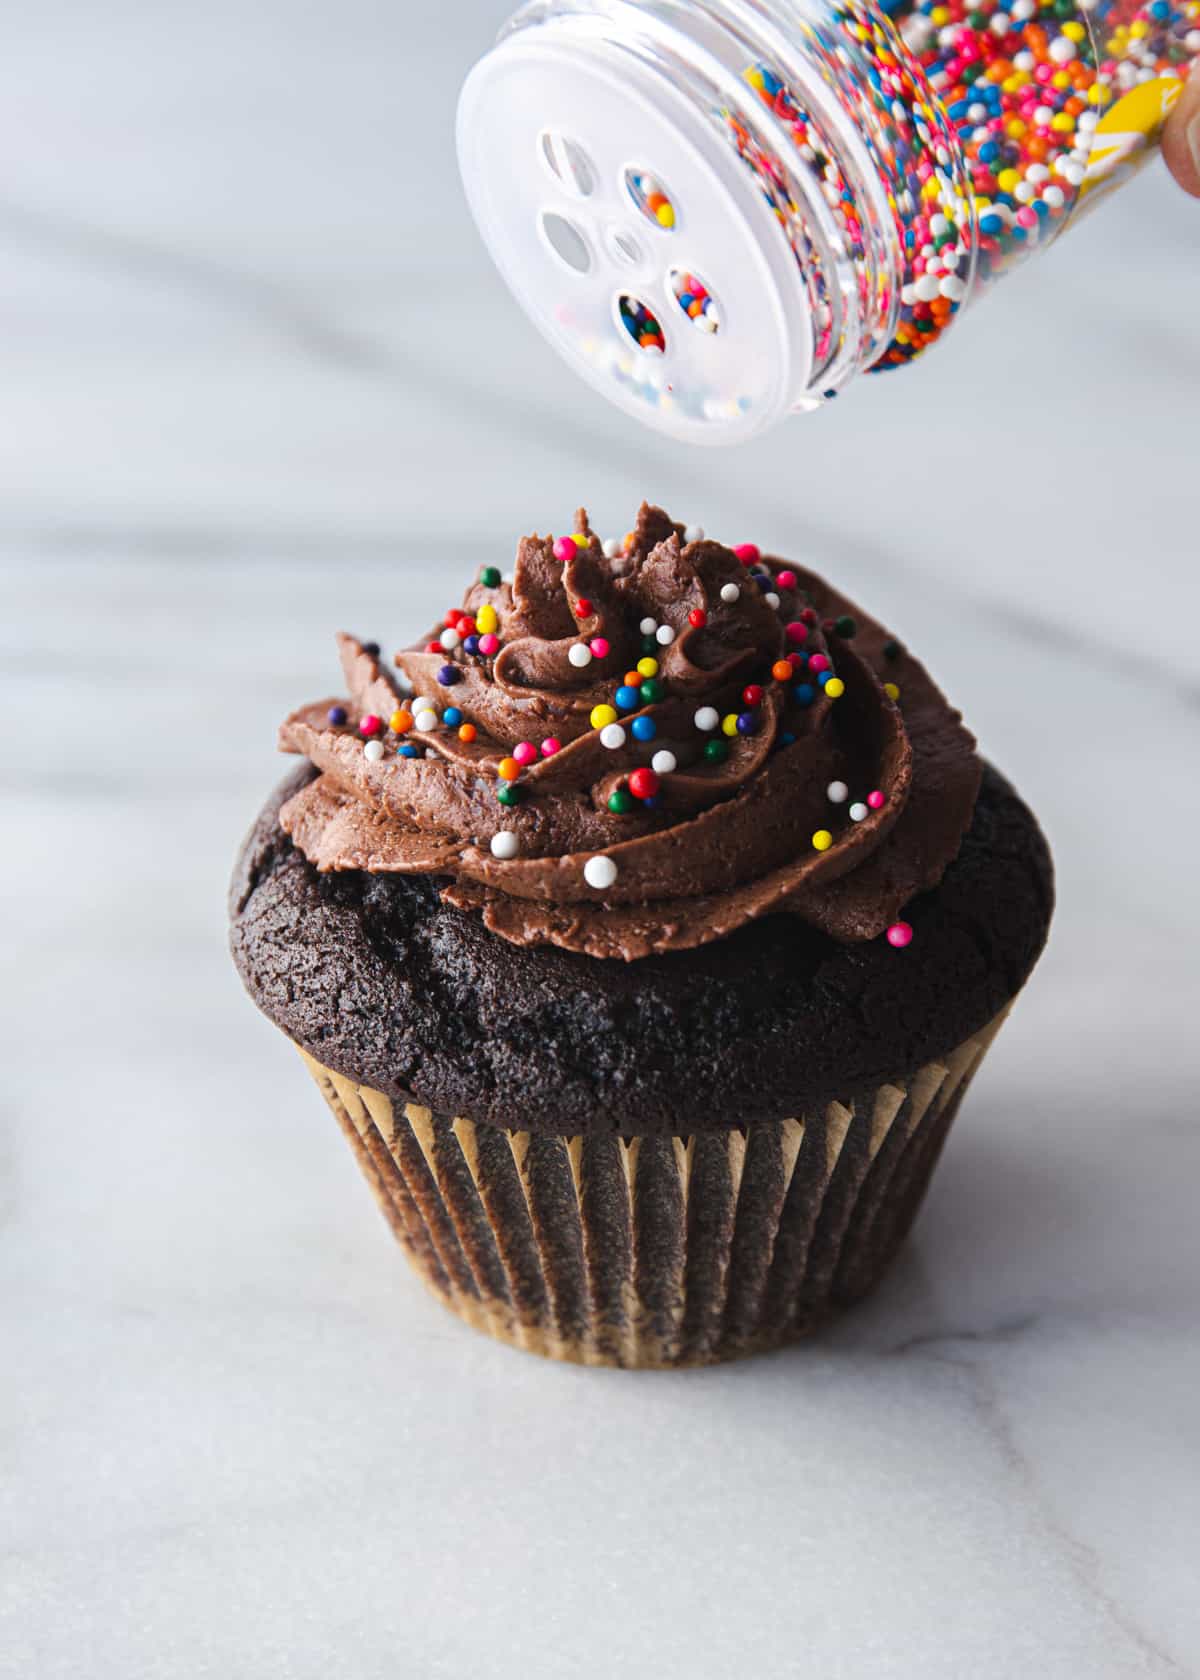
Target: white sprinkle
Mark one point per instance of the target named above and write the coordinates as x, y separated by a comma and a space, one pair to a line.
449, 638
837, 793
420, 703
600, 872
664, 635
694, 533
1062, 50
729, 592
927, 288
708, 717
1000, 25
1055, 197
1192, 40
507, 578
426, 720
611, 548
612, 736
648, 626
857, 811
1025, 192
505, 844
373, 750
1023, 61
771, 599
663, 763
580, 655
1042, 115
1022, 10
908, 295
953, 288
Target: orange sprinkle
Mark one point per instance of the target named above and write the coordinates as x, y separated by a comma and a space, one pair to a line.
633, 679
508, 770
468, 732
781, 671
400, 722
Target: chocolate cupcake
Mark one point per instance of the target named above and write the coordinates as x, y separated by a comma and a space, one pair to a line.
643, 929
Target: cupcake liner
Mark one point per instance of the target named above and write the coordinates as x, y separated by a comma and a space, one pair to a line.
656, 1251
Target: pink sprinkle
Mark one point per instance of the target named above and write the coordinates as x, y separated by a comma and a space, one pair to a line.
370, 725
747, 553
899, 935
564, 550
489, 644
599, 647
1027, 218
786, 580
525, 752
797, 632
875, 800
818, 662
550, 746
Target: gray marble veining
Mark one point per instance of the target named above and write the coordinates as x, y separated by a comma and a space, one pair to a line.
257, 381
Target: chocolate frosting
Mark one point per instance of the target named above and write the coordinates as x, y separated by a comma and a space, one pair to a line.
722, 840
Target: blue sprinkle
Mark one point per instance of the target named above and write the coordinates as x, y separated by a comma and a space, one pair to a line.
408, 750
804, 694
644, 729
472, 644
448, 675
653, 803
747, 723
786, 738
989, 152
627, 699
452, 716
824, 677
991, 224
337, 715
958, 109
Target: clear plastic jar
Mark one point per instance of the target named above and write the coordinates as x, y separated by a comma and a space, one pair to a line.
721, 211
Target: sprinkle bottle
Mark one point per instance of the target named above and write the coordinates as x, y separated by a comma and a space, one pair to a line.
722, 211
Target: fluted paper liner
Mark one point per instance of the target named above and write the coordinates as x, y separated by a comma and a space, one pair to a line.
656, 1251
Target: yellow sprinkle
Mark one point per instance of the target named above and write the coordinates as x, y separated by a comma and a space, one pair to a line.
822, 840
1098, 95
1061, 124
1139, 28
1008, 180
602, 716
666, 216
755, 78
647, 667
729, 724
940, 15
1074, 31
579, 540
892, 692
485, 619
835, 688
1060, 80
1014, 128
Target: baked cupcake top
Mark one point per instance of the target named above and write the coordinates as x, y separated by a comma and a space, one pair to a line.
639, 747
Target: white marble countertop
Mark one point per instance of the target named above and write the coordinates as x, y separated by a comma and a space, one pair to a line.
257, 381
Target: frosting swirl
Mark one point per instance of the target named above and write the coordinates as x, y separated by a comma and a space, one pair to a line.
669, 740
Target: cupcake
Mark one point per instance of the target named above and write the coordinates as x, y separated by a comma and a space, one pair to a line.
643, 927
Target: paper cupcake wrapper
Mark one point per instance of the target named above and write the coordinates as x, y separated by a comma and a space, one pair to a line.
656, 1251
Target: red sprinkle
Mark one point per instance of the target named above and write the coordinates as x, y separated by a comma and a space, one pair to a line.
752, 695
797, 632
786, 580
434, 647
899, 934
452, 617
698, 618
370, 725
583, 609
643, 784
747, 553
809, 615
465, 625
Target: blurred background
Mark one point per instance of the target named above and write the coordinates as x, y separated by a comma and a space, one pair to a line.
258, 382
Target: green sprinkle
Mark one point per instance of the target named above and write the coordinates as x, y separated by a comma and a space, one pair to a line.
510, 794
651, 690
892, 650
489, 577
716, 752
620, 802
845, 627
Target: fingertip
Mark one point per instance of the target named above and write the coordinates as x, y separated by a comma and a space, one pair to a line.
1181, 137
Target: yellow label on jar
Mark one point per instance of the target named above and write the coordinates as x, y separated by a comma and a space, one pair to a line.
1123, 138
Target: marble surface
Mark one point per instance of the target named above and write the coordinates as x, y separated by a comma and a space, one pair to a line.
256, 382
